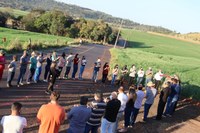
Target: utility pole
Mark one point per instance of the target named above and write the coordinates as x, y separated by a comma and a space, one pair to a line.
118, 33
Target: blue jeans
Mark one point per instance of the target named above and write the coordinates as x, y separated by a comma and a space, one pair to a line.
10, 77
107, 127
169, 102
134, 115
146, 110
21, 75
82, 68
89, 128
147, 81
113, 79
37, 73
75, 69
139, 80
95, 75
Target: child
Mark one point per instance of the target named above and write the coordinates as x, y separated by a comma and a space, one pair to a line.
11, 70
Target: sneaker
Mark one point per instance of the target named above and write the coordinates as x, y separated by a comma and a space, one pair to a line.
8, 86
28, 83
21, 83
168, 115
18, 85
45, 80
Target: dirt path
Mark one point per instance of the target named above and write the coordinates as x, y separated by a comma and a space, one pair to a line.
185, 120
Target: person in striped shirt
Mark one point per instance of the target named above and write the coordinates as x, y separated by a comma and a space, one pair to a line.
98, 108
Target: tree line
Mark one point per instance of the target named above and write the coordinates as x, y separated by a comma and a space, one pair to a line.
59, 23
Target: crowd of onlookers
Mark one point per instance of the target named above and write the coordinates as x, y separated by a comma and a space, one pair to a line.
103, 113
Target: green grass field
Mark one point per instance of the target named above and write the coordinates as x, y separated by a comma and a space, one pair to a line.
14, 12
171, 55
14, 37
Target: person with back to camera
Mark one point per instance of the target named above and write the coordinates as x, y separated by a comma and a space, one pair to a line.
78, 116
13, 123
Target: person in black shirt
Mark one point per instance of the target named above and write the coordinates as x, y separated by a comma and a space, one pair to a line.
47, 68
109, 119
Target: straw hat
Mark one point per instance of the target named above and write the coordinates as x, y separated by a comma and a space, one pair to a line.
150, 84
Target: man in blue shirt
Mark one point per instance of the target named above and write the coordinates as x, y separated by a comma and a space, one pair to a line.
78, 116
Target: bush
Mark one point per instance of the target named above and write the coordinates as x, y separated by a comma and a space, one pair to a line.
15, 46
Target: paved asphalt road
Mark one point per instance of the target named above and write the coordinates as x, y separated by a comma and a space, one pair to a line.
32, 96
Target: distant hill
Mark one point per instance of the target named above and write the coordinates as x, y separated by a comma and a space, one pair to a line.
79, 12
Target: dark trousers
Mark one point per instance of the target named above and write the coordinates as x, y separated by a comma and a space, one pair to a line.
157, 84
67, 71
31, 74
75, 69
146, 110
104, 77
161, 107
121, 80
21, 75
134, 115
53, 79
10, 77
46, 73
127, 116
93, 129
131, 80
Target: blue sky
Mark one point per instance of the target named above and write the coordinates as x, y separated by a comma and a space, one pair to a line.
179, 15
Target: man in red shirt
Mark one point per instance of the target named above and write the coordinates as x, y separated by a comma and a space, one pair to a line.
51, 115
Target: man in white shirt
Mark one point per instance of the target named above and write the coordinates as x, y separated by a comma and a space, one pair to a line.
140, 76
138, 103
13, 123
158, 77
123, 98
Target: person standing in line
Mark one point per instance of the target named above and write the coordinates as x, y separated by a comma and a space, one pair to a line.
123, 98
128, 109
105, 72
50, 116
97, 66
32, 67
78, 116
14, 123
53, 75
137, 104
75, 66
165, 92
38, 71
172, 98
61, 64
47, 68
2, 63
23, 66
115, 72
124, 71
149, 76
158, 78
151, 93
132, 75
140, 76
110, 116
82, 68
11, 71
69, 61
54, 57
98, 108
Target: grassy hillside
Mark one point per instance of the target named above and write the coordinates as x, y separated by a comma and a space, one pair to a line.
171, 55
13, 12
16, 37
78, 12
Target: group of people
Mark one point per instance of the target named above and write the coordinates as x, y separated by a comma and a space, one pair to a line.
102, 113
